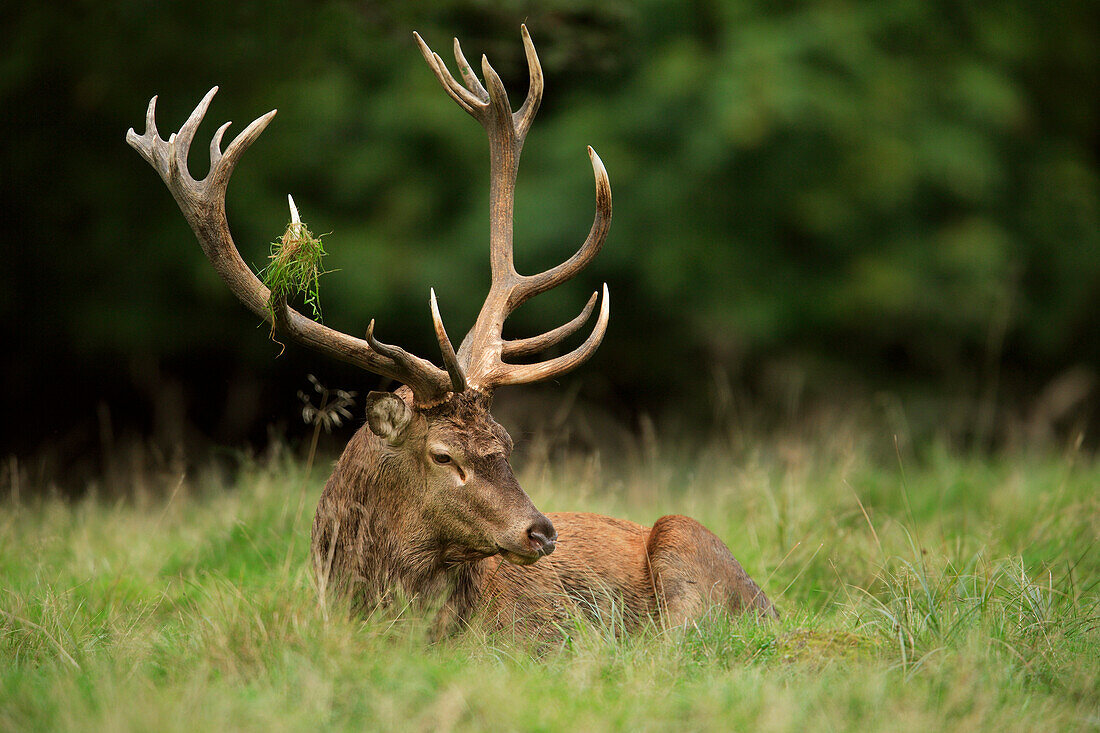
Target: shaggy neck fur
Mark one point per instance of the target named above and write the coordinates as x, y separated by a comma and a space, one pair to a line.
371, 537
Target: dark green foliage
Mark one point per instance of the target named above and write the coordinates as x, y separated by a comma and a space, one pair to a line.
895, 192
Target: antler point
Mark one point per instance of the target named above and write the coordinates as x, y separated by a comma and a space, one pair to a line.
597, 163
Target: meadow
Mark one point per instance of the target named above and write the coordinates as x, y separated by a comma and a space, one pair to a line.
919, 590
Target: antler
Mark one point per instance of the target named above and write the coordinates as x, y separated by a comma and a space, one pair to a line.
203, 205
483, 349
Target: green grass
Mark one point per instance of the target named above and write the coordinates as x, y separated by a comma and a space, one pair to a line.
931, 592
294, 267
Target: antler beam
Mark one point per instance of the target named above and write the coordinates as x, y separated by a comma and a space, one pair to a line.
483, 349
479, 362
203, 205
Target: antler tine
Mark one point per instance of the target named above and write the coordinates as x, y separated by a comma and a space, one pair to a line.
418, 374
203, 205
227, 162
149, 144
295, 217
525, 373
488, 102
526, 113
216, 144
498, 101
456, 89
535, 344
187, 131
532, 285
394, 352
482, 351
450, 359
460, 94
151, 118
468, 75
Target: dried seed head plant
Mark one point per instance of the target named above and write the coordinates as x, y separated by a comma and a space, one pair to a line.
332, 410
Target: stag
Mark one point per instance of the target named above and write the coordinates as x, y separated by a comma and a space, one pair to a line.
423, 501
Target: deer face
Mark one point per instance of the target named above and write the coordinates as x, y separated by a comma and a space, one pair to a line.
466, 488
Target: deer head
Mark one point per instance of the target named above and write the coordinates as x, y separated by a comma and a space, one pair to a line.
436, 432
452, 460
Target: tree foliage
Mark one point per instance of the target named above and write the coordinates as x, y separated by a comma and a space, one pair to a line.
900, 189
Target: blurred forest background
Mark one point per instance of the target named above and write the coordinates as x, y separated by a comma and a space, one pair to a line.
889, 207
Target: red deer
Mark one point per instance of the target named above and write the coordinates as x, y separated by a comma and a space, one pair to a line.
423, 500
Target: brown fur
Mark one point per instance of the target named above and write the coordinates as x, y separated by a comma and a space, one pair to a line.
382, 528
616, 571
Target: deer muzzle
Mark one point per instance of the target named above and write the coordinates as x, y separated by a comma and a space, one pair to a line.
539, 540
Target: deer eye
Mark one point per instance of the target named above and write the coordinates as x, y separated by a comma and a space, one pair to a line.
441, 458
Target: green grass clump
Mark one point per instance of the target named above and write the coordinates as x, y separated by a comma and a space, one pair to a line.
295, 268
958, 593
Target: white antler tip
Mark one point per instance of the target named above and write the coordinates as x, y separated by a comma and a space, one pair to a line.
597, 163
294, 218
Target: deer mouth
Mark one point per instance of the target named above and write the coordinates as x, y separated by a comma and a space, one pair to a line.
519, 558
526, 556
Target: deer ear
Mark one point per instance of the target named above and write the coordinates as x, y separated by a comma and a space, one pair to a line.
388, 416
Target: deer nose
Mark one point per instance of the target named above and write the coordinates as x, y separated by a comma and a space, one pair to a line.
543, 536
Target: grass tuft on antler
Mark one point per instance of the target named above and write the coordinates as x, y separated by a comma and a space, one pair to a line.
295, 266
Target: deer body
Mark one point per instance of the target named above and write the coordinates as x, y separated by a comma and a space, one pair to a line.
616, 571
379, 530
423, 501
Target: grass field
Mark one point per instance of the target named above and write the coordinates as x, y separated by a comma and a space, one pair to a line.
918, 592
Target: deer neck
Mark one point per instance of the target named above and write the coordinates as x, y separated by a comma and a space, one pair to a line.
395, 549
